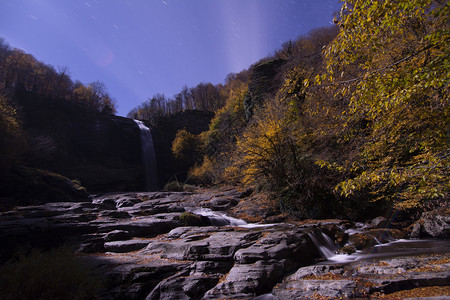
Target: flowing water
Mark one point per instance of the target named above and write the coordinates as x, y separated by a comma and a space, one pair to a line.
148, 156
401, 247
221, 219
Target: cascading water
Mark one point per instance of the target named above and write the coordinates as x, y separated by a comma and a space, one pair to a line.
220, 219
324, 243
148, 156
328, 248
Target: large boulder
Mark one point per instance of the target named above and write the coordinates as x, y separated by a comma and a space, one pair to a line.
435, 223
30, 186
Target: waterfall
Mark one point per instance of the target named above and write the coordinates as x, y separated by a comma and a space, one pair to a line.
219, 219
324, 243
148, 156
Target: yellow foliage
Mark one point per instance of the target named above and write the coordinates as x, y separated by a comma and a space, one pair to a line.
204, 173
398, 109
11, 140
186, 146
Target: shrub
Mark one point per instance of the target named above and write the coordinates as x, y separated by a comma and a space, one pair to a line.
186, 146
174, 186
203, 173
55, 274
190, 219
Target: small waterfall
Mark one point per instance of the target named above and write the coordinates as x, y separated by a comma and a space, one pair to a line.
324, 243
148, 156
219, 219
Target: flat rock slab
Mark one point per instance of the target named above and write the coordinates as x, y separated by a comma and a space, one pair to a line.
364, 278
125, 246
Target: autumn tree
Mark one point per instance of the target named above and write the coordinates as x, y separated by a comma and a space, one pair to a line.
11, 135
399, 98
94, 97
186, 146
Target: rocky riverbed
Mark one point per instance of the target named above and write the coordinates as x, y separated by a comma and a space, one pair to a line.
180, 245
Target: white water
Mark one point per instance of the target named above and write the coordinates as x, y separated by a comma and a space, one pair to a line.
148, 156
401, 247
221, 219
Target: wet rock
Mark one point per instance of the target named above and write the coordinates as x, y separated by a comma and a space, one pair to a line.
222, 203
125, 246
126, 202
245, 281
115, 214
191, 219
144, 226
117, 235
294, 245
146, 250
378, 222
364, 278
92, 243
192, 283
310, 289
135, 281
373, 237
209, 244
437, 223
434, 224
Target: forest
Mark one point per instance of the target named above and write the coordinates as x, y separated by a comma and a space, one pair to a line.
338, 123
345, 121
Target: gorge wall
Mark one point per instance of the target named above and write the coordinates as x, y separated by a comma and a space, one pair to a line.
102, 151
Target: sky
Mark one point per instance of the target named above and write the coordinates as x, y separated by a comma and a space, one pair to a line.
139, 48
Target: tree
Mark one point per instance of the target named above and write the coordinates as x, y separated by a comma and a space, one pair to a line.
186, 146
11, 136
94, 97
399, 52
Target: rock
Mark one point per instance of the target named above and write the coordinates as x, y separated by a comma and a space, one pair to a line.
207, 244
370, 238
378, 222
100, 150
308, 289
144, 226
35, 186
117, 235
294, 245
151, 253
436, 223
126, 201
364, 278
125, 246
245, 281
190, 219
92, 243
416, 231
115, 214
222, 203
192, 283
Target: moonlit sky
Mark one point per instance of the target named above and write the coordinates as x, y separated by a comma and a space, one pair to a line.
142, 47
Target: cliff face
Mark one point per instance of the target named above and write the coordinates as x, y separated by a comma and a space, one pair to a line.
102, 151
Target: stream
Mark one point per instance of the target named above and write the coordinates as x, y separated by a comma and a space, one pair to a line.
140, 244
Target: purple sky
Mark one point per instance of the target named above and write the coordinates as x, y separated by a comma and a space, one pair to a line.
142, 47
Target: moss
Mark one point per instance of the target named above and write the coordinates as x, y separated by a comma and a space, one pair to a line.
190, 219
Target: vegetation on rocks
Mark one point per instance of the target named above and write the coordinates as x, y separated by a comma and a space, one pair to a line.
56, 274
348, 121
